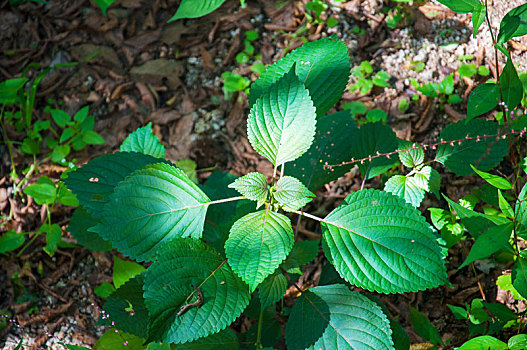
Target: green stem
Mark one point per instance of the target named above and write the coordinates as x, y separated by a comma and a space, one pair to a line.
225, 200
304, 214
25, 179
259, 333
8, 143
28, 244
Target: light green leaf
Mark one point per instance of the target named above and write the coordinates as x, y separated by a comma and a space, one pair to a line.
9, 90
144, 141
291, 193
478, 17
518, 342
513, 24
519, 276
11, 240
65, 196
226, 339
281, 124
483, 152
189, 168
424, 327
428, 179
494, 180
370, 140
79, 226
505, 283
66, 134
111, 340
257, 245
90, 137
253, 186
505, 206
60, 117
520, 209
494, 239
95, 181
484, 98
461, 6
124, 270
323, 66
332, 145
195, 8
406, 188
460, 313
378, 242
60, 152
484, 342
511, 86
82, 114
169, 285
333, 317
155, 204
414, 156
53, 237
272, 289
104, 4
104, 290
43, 192
476, 223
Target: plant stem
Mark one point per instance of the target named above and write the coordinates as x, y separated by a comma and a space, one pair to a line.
28, 244
305, 214
224, 200
8, 143
259, 333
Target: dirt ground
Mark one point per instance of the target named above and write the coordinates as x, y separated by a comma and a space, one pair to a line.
134, 68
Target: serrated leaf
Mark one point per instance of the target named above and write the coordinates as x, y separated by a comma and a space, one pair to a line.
257, 245
95, 181
253, 186
323, 66
378, 242
281, 124
155, 204
482, 99
484, 152
372, 139
144, 141
511, 86
303, 252
124, 270
428, 179
11, 240
195, 8
483, 342
519, 276
494, 239
333, 317
332, 145
413, 156
182, 264
406, 188
291, 193
272, 289
494, 180
79, 226
126, 307
226, 339
461, 6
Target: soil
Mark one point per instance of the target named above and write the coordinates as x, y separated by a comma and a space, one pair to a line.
134, 68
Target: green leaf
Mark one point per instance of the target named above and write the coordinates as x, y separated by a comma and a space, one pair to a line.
505, 207
144, 141
332, 145
333, 317
60, 117
520, 209
155, 204
494, 239
79, 226
406, 188
65, 196
511, 86
281, 124
505, 283
513, 24
9, 90
484, 342
257, 245
519, 276
461, 6
126, 307
291, 193
484, 98
53, 237
195, 8
169, 282
478, 17
226, 339
189, 168
303, 252
414, 156
253, 186
111, 340
11, 240
467, 70
66, 134
104, 290
124, 270
459, 312
90, 137
272, 289
483, 152
30, 146
378, 242
104, 4
428, 179
518, 342
95, 181
476, 223
323, 66
494, 180
372, 139
43, 192
424, 328
60, 152
81, 114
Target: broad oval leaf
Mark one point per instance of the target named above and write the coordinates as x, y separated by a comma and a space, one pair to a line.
80, 223
332, 145
182, 265
378, 242
281, 124
410, 154
257, 245
519, 276
516, 19
333, 317
253, 186
511, 86
461, 6
195, 8
272, 289
156, 204
11, 240
291, 193
406, 188
428, 179
95, 181
484, 152
484, 98
144, 141
483, 342
323, 66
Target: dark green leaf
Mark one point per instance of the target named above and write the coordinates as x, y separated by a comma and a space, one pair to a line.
303, 252
519, 276
488, 243
90, 137
103, 5
11, 240
424, 328
478, 17
66, 134
224, 340
79, 226
461, 6
482, 99
515, 18
272, 289
460, 313
53, 237
511, 86
494, 180
104, 290
111, 340
9, 90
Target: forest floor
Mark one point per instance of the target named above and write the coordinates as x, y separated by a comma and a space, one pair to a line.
134, 68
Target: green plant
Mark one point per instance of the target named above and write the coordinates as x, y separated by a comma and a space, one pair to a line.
248, 51
365, 80
444, 90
